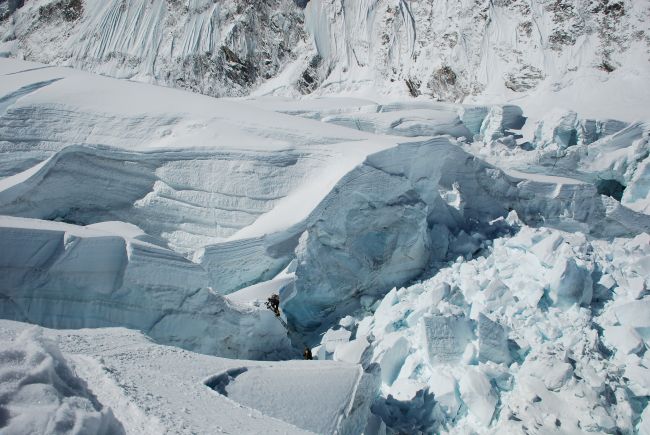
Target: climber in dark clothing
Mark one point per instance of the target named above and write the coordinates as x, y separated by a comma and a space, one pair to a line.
273, 304
306, 354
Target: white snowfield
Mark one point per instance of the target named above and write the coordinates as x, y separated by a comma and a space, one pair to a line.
84, 378
516, 248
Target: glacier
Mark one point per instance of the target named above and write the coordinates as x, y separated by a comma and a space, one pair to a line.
498, 348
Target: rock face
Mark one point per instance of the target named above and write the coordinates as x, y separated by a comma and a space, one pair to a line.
445, 50
214, 48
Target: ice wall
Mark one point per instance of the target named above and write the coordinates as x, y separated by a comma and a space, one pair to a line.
386, 221
111, 274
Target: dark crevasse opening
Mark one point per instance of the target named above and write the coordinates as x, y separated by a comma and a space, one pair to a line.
610, 188
302, 3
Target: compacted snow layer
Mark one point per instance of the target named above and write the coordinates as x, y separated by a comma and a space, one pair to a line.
308, 395
153, 389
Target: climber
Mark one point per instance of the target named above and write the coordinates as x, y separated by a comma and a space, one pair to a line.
306, 354
273, 304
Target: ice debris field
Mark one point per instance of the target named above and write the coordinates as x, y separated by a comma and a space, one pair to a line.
477, 267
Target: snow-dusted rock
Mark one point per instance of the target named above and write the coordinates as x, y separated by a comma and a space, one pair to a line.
200, 46
477, 394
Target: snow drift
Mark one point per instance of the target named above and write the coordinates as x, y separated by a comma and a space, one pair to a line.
40, 392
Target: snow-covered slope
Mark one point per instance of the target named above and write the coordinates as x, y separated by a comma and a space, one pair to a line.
215, 48
41, 393
153, 389
448, 50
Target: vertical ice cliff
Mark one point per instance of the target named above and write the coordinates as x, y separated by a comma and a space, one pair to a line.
112, 274
418, 203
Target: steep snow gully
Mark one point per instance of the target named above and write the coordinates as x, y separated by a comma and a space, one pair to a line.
466, 270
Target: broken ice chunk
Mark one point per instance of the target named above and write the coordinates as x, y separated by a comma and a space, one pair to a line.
570, 283
635, 313
493, 341
478, 395
625, 339
557, 127
391, 359
555, 375
445, 393
446, 337
333, 338
352, 352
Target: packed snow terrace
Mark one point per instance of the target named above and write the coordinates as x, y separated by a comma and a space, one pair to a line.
449, 267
